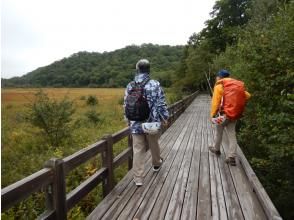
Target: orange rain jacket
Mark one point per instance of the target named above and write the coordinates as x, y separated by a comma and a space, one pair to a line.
217, 97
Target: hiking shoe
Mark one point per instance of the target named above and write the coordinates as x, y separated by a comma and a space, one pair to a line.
138, 182
214, 150
157, 168
231, 161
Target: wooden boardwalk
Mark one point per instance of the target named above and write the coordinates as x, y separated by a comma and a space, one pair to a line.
192, 183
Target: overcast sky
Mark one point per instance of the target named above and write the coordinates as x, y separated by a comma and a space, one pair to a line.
35, 33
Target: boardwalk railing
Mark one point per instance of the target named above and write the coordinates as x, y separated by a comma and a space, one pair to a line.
52, 178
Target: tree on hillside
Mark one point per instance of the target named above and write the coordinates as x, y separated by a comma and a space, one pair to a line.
108, 69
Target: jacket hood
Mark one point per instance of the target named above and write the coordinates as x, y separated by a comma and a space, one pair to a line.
140, 77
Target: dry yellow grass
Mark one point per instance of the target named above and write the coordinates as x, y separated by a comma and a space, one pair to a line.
21, 96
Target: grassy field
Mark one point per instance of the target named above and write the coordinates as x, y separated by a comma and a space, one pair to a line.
24, 151
18, 137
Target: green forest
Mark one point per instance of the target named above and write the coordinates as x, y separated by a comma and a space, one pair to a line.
108, 69
254, 40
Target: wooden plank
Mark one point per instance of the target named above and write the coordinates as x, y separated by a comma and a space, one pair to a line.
22, 189
121, 187
213, 187
48, 215
190, 201
234, 208
82, 156
250, 205
83, 189
122, 157
216, 182
118, 136
204, 200
177, 199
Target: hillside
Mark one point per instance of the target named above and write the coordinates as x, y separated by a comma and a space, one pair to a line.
107, 69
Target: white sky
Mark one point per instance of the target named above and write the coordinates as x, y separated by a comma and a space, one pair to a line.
35, 33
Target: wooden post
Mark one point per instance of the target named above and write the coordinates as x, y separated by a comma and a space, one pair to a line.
107, 158
130, 145
56, 193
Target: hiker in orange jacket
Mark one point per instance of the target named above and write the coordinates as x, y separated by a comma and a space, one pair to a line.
228, 103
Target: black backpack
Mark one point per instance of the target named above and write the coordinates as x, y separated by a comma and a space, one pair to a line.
136, 105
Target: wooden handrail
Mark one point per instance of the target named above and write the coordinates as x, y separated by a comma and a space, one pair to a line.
83, 155
52, 177
24, 188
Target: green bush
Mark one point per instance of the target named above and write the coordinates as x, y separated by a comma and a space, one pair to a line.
92, 100
52, 117
93, 116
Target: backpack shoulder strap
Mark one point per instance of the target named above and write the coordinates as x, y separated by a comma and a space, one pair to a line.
145, 82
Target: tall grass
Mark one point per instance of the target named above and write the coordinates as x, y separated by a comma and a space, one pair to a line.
25, 152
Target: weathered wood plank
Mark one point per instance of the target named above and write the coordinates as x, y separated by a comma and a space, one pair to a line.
204, 198
122, 157
22, 189
250, 205
216, 181
118, 136
177, 199
83, 155
190, 201
83, 189
213, 187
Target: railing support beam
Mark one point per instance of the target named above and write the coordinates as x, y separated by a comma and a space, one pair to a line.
56, 193
107, 160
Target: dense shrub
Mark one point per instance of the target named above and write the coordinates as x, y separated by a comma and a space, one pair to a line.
52, 117
93, 116
92, 100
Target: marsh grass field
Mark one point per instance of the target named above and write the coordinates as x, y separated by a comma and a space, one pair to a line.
24, 150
